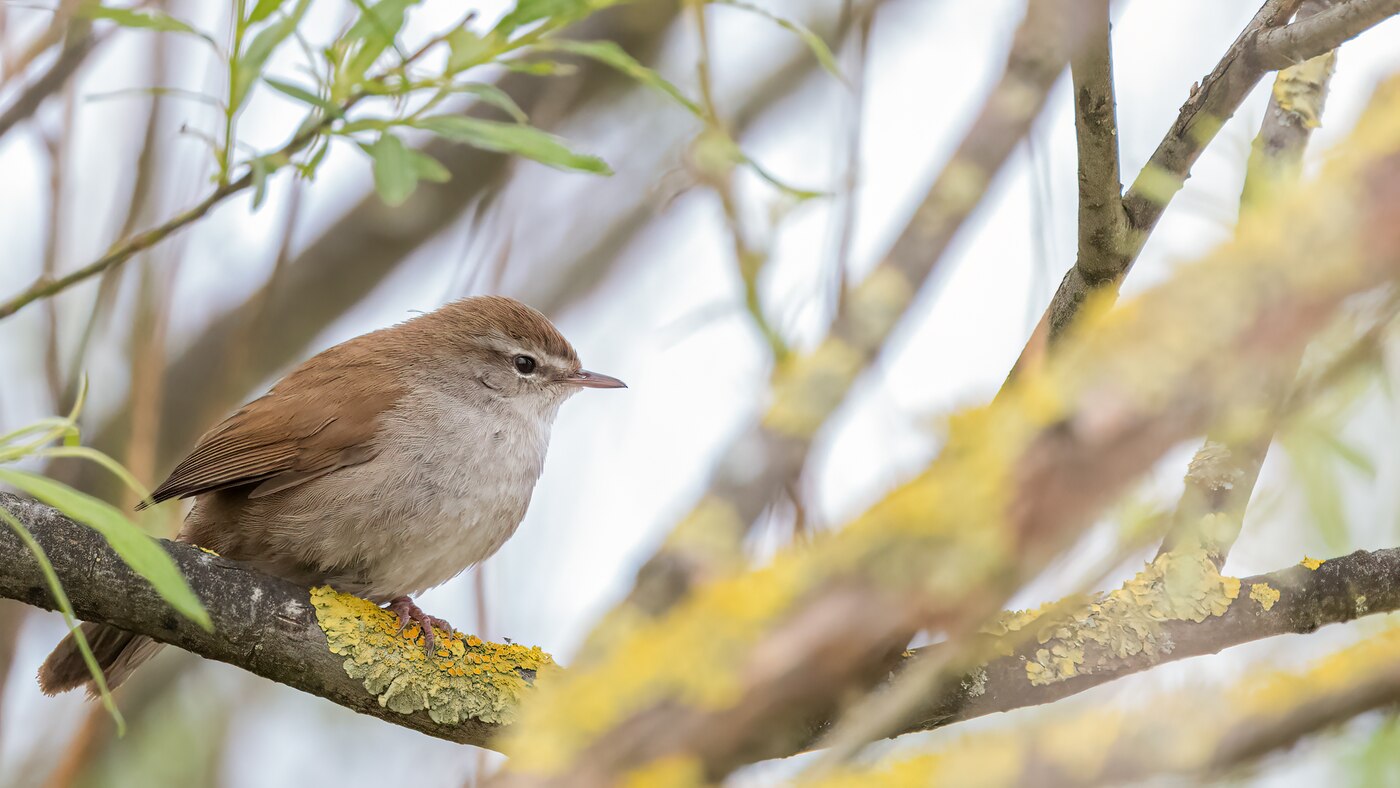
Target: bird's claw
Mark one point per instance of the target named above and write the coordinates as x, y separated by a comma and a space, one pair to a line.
407, 611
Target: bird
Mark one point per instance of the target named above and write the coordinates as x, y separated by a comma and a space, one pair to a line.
382, 466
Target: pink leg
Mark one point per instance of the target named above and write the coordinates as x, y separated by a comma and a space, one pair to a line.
407, 611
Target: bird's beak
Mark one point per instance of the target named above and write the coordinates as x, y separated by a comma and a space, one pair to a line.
593, 380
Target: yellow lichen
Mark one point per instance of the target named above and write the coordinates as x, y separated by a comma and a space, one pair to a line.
207, 550
1311, 563
466, 678
675, 771
1264, 594
1182, 586
957, 532
807, 389
1300, 89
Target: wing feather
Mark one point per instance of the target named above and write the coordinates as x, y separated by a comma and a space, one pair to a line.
322, 417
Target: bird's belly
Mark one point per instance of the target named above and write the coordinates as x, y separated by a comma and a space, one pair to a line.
411, 518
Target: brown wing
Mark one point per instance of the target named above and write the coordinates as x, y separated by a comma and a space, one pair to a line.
321, 417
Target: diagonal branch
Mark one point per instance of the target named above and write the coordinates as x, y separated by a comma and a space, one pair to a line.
1258, 49
79, 43
765, 458
1224, 471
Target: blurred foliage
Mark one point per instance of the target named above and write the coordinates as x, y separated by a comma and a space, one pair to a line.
133, 545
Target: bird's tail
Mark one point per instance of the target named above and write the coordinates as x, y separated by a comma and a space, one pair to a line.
118, 653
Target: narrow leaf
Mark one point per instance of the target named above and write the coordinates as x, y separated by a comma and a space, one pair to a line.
512, 138
395, 176
305, 96
610, 54
814, 42
70, 617
144, 20
254, 58
263, 10
428, 168
490, 94
142, 553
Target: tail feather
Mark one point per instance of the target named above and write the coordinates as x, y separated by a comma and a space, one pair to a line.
118, 653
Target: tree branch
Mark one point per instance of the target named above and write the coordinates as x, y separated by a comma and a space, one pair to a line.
1223, 472
1102, 222
1296, 600
1258, 49
759, 464
1307, 38
268, 626
1016, 483
80, 42
262, 624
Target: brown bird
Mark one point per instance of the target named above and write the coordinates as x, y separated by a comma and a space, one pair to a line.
382, 467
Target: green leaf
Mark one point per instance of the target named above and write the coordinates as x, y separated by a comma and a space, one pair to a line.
143, 20
263, 10
95, 456
813, 41
538, 68
465, 49
70, 617
610, 54
252, 60
490, 94
512, 138
142, 553
530, 11
395, 177
375, 31
1349, 454
260, 170
305, 96
428, 168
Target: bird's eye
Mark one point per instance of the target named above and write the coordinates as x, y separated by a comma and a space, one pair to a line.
524, 364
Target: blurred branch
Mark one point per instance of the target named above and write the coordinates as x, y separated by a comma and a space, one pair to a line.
1200, 732
77, 45
759, 465
262, 624
1102, 222
1224, 471
267, 626
1017, 482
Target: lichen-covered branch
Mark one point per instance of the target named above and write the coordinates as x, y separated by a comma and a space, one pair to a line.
1198, 732
1102, 222
757, 653
1178, 607
758, 465
1223, 473
331, 645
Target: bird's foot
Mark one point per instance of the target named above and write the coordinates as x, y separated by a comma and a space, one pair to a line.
404, 608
